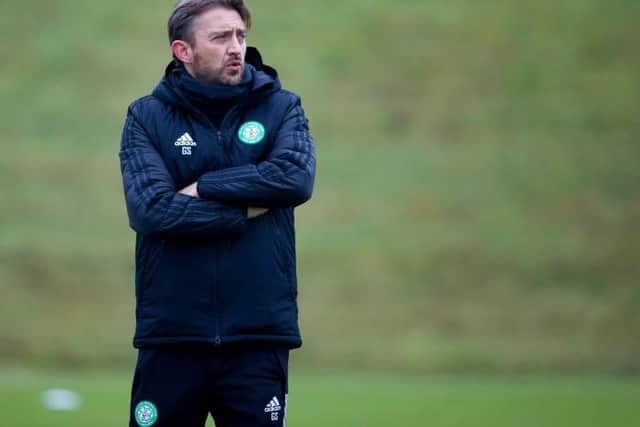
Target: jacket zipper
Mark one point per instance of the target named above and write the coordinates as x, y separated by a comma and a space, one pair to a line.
225, 151
216, 340
226, 147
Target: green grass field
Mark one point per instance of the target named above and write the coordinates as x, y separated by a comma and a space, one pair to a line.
359, 400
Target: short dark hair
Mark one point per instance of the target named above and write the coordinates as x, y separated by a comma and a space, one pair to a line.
180, 25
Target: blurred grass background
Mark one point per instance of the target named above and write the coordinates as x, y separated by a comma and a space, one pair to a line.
476, 211
477, 205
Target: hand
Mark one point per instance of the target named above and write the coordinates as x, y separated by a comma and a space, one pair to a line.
191, 190
255, 212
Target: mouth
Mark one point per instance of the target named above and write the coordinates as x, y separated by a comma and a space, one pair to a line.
234, 66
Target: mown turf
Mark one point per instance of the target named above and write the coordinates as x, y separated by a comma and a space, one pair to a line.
351, 399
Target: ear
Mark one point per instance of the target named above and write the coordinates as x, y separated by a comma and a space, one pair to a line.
182, 50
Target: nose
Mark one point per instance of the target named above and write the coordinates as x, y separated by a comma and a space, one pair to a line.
234, 45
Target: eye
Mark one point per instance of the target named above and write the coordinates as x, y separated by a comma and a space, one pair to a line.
218, 37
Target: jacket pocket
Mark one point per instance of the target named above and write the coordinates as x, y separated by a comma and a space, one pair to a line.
179, 287
148, 259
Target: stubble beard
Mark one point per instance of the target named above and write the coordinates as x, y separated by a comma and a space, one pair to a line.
216, 76
234, 79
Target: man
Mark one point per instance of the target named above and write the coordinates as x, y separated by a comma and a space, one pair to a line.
213, 163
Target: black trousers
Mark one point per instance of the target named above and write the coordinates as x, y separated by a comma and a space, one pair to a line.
241, 386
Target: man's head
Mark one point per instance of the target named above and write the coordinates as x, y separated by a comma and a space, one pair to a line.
208, 37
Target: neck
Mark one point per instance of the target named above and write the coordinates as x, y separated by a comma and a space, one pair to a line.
192, 73
189, 69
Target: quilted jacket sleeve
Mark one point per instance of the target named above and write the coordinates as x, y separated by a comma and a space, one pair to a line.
284, 179
153, 205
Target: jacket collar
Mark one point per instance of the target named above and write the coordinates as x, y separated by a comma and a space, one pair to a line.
260, 80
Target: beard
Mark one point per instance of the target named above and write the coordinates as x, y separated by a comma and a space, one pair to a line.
211, 75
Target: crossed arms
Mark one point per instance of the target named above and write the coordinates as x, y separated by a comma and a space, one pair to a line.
218, 203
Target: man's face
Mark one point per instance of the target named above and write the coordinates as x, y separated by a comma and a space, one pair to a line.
218, 47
